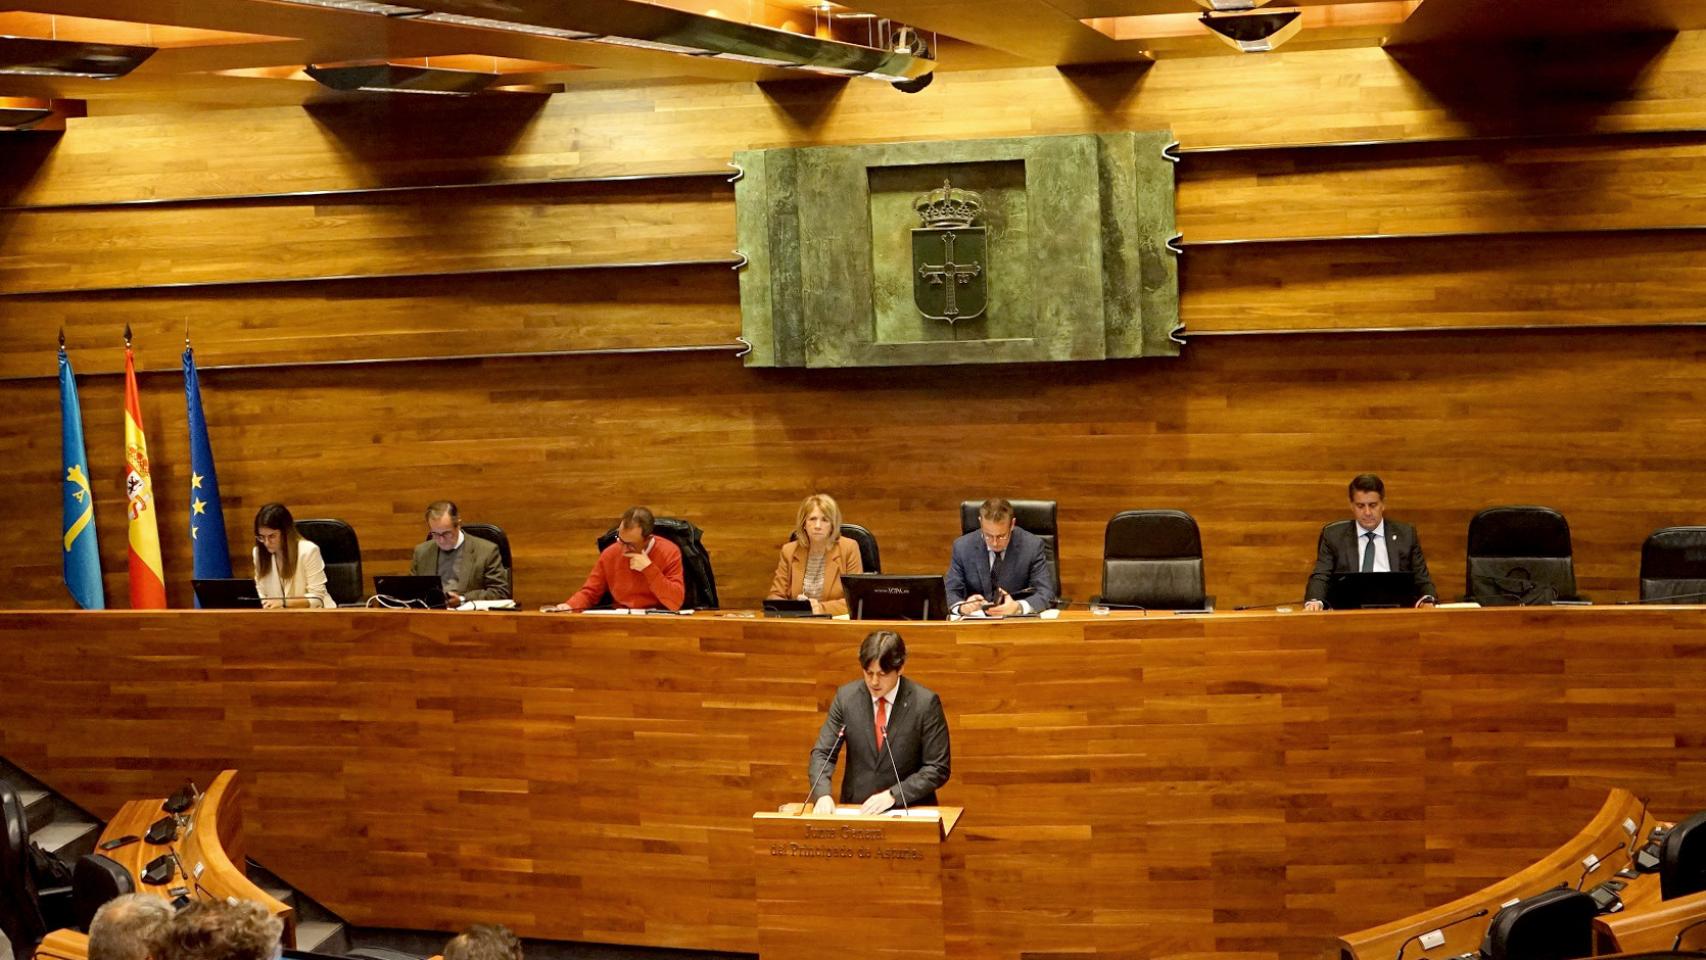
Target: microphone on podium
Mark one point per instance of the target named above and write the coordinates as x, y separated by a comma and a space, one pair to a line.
900, 791
834, 751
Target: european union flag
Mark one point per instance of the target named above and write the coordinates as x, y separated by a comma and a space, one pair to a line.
82, 553
207, 518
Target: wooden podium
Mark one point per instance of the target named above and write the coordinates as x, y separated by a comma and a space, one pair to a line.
845, 885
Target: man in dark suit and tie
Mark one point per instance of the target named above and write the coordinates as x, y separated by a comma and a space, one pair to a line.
995, 563
1372, 544
891, 726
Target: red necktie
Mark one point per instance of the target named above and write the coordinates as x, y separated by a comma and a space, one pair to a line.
882, 720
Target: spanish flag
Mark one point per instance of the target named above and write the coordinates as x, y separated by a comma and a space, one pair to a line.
147, 579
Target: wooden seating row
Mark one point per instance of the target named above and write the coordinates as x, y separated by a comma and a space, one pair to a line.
209, 845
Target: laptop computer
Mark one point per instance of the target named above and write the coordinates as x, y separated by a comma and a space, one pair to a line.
407, 587
1365, 591
789, 608
224, 594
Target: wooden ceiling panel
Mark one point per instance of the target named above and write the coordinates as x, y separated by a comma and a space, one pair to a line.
1482, 21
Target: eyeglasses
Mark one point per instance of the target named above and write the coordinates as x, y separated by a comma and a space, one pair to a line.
993, 539
443, 534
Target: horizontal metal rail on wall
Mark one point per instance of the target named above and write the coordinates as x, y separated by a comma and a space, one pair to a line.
1680, 134
1443, 235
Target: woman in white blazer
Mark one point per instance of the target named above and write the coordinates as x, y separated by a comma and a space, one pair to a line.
289, 571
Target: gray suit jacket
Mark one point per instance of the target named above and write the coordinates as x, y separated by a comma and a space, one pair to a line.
917, 736
1339, 551
480, 569
1026, 565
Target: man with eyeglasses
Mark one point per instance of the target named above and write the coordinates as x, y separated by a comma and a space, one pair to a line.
997, 563
640, 570
471, 568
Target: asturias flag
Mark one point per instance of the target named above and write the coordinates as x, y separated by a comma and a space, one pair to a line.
207, 518
82, 553
147, 581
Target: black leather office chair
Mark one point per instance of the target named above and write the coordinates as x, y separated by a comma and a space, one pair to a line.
1513, 546
20, 910
696, 575
1682, 858
495, 534
1554, 925
1039, 517
342, 553
869, 557
1673, 565
95, 880
1153, 558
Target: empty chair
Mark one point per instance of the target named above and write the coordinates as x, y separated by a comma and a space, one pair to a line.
1554, 925
869, 557
495, 534
1673, 565
1038, 517
1520, 555
1682, 858
95, 880
696, 575
20, 910
1153, 558
342, 553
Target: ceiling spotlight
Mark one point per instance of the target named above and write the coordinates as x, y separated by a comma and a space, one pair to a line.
1220, 5
910, 42
916, 84
1255, 32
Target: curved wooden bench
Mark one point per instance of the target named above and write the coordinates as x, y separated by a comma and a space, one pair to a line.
1462, 923
210, 848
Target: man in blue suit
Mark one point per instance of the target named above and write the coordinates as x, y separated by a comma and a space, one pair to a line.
997, 563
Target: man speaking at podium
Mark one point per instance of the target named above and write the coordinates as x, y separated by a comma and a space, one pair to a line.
896, 736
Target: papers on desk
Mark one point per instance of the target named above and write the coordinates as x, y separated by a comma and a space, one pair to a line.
922, 813
625, 612
487, 605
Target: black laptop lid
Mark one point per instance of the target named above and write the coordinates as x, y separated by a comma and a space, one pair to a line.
428, 590
1360, 591
227, 594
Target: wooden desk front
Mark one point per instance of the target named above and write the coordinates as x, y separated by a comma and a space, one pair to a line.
1254, 783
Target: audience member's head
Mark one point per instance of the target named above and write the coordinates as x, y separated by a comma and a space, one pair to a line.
484, 941
219, 930
127, 927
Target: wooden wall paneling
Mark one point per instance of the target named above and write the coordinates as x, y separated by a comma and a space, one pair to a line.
1582, 183
1554, 280
1300, 97
588, 224
358, 320
1256, 437
1252, 784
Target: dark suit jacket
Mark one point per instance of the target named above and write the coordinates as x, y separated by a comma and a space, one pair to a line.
480, 569
1026, 565
1340, 551
917, 735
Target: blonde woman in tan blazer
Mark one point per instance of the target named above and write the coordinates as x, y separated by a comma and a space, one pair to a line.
814, 562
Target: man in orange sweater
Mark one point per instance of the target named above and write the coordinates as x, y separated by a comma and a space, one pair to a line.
640, 570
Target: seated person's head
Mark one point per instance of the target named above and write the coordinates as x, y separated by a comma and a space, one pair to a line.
484, 941
126, 927
219, 930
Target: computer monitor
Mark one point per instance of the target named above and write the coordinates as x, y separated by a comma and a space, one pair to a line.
429, 590
234, 594
1362, 591
890, 596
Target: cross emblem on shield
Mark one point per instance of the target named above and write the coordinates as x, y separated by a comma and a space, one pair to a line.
949, 282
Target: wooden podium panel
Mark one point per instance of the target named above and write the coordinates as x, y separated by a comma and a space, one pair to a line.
850, 886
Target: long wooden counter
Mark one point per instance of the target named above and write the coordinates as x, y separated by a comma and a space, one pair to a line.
1140, 787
